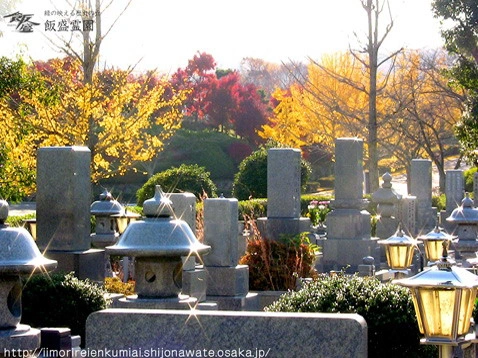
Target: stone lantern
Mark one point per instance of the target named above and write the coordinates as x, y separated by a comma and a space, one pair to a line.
387, 200
443, 297
466, 219
19, 256
158, 242
104, 209
399, 249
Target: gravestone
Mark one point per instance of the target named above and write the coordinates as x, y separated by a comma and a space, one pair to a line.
421, 187
407, 214
454, 189
228, 282
454, 192
348, 224
63, 211
283, 195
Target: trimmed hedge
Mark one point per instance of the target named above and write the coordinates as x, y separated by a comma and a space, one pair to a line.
251, 179
186, 178
59, 300
387, 308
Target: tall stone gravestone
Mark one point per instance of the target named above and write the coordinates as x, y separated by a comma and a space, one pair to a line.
63, 211
283, 195
421, 188
348, 224
228, 282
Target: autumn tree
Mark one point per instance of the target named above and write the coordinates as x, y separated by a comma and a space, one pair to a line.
268, 76
426, 110
16, 168
131, 118
461, 40
197, 78
324, 107
371, 84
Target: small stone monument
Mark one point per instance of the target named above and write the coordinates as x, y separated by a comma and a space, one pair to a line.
158, 242
228, 282
348, 224
19, 256
454, 193
407, 214
63, 211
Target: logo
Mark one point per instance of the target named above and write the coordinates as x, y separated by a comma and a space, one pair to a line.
22, 22
66, 21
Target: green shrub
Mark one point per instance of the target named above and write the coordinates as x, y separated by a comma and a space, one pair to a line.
186, 178
59, 300
251, 179
439, 202
252, 209
469, 179
17, 221
276, 265
387, 308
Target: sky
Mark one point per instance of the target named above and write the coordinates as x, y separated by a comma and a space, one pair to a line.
165, 34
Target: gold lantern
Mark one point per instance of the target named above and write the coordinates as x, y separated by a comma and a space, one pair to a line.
443, 297
399, 249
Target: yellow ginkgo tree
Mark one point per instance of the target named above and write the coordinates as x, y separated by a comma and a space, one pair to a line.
123, 119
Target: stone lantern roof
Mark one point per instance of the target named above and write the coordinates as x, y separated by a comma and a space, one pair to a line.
18, 252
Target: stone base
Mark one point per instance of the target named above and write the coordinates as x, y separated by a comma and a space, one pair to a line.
273, 228
266, 298
227, 281
195, 284
23, 339
465, 249
249, 302
86, 264
182, 302
348, 224
347, 254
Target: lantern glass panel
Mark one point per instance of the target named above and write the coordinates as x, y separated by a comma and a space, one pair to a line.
122, 222
437, 309
399, 257
433, 249
467, 305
